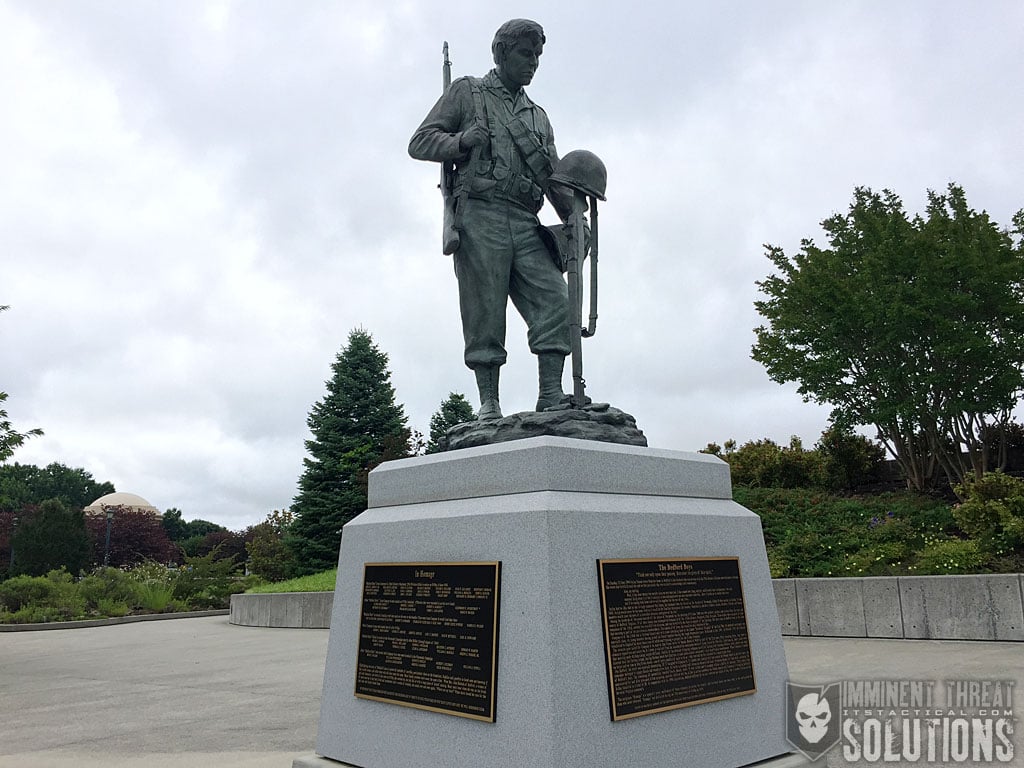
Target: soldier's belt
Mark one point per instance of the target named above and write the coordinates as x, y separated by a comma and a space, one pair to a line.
514, 188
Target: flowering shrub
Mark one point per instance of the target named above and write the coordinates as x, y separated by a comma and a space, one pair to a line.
813, 533
108, 592
952, 556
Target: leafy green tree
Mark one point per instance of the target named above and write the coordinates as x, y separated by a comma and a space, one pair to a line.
454, 410
721, 451
269, 557
356, 426
180, 530
203, 528
227, 544
915, 326
1006, 447
190, 536
174, 524
27, 484
135, 536
7, 518
50, 538
10, 438
192, 545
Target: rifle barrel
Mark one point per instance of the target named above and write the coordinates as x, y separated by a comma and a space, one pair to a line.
446, 70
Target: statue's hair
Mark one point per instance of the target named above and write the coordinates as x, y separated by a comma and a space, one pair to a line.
508, 34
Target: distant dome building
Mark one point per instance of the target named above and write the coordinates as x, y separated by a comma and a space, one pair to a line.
124, 500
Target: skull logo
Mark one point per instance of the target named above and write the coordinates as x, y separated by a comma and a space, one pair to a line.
813, 714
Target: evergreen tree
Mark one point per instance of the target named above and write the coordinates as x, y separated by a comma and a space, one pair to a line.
356, 426
455, 410
52, 537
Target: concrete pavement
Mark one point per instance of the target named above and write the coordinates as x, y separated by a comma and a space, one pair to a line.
185, 692
194, 693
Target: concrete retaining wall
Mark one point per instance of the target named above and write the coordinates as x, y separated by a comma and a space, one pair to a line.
300, 610
983, 607
107, 622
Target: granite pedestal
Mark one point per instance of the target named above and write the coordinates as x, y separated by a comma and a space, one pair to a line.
548, 508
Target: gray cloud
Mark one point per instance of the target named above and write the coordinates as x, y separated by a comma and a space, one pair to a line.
200, 200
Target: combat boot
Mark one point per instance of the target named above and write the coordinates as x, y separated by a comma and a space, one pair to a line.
487, 383
550, 366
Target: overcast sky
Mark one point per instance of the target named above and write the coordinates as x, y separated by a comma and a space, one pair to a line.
199, 200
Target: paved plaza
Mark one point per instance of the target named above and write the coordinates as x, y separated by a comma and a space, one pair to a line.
197, 693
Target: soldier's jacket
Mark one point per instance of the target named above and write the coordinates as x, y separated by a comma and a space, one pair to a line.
499, 169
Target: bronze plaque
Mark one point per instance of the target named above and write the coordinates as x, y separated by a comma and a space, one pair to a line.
675, 633
428, 636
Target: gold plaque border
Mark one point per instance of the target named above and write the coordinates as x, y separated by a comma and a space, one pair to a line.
494, 643
607, 639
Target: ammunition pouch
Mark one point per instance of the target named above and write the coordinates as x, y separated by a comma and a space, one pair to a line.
513, 188
532, 152
556, 238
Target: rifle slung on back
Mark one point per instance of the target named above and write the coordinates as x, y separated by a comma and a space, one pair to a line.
449, 231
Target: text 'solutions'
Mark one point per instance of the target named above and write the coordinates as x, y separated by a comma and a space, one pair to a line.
675, 633
428, 636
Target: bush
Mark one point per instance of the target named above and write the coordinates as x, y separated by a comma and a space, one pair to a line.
113, 608
19, 591
152, 572
849, 460
149, 588
950, 556
813, 533
207, 582
111, 584
32, 614
993, 512
152, 586
766, 464
153, 597
31, 599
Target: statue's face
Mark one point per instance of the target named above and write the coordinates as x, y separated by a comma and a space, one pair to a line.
520, 61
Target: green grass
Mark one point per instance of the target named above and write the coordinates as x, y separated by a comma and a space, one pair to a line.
318, 582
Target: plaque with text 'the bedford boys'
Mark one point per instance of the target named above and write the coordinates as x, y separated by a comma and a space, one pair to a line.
675, 633
428, 636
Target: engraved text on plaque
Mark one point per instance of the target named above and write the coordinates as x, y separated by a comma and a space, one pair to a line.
675, 633
428, 636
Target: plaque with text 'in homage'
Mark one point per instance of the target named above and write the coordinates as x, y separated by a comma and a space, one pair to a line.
428, 636
675, 633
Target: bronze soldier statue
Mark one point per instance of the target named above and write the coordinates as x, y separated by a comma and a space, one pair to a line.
503, 151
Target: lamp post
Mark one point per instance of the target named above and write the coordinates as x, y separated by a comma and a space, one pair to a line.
106, 548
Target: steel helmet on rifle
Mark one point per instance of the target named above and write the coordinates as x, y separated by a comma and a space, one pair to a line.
582, 170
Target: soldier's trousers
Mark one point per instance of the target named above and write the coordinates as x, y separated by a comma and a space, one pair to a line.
501, 256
